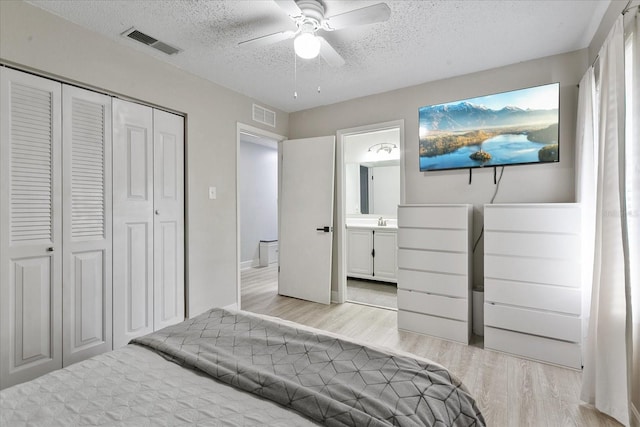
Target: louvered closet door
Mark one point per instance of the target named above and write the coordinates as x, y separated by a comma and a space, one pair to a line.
30, 227
169, 219
86, 159
132, 221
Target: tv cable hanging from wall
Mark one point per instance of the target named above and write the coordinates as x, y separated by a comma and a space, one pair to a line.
495, 193
495, 168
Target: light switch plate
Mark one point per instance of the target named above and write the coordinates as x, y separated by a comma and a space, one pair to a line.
212, 193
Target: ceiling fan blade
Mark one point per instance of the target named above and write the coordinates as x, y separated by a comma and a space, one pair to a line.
290, 7
329, 54
268, 39
367, 15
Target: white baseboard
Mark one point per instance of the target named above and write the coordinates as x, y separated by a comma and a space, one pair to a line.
245, 265
233, 306
635, 416
334, 297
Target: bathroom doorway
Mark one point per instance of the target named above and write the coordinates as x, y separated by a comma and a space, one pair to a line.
370, 183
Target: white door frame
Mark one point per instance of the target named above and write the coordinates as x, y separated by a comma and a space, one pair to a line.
341, 193
244, 128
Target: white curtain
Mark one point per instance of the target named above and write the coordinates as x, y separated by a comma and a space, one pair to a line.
607, 375
586, 185
632, 183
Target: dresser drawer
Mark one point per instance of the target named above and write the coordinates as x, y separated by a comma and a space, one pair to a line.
534, 322
436, 305
533, 347
438, 262
560, 272
547, 218
434, 216
556, 246
532, 295
440, 327
436, 283
431, 239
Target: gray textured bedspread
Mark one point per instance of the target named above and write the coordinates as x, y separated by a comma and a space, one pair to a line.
333, 381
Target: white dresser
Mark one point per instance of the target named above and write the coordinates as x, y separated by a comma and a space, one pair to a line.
532, 282
434, 270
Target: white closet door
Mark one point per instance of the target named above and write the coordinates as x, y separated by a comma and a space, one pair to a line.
30, 227
86, 199
132, 221
168, 226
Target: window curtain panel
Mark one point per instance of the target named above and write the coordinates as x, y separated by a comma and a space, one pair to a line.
632, 168
608, 349
586, 185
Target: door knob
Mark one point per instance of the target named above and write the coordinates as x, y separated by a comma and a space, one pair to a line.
157, 212
50, 249
326, 229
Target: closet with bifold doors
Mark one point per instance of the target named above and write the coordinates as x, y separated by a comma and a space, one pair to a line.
148, 226
78, 269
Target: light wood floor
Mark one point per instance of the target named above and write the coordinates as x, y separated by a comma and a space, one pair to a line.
380, 294
510, 392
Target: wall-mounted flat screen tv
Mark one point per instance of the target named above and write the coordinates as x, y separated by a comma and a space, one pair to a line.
509, 128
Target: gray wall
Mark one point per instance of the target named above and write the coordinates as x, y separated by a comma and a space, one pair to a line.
520, 184
258, 198
38, 40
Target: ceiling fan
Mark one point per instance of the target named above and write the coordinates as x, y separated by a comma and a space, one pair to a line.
310, 19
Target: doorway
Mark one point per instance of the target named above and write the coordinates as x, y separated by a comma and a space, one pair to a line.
370, 184
257, 182
305, 215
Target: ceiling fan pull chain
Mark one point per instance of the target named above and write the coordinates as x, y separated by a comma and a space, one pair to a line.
295, 76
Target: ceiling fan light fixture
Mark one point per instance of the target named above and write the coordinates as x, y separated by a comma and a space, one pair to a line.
306, 45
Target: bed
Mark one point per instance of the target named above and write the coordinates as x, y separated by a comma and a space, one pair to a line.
236, 368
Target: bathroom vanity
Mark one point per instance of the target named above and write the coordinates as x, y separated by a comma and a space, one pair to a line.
372, 249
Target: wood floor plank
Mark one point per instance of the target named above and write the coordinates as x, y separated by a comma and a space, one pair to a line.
510, 391
526, 405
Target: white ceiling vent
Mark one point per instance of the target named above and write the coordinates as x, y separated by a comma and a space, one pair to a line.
264, 116
143, 38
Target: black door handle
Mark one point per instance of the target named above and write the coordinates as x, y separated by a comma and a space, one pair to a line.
326, 229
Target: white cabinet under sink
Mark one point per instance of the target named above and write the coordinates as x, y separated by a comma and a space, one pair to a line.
371, 253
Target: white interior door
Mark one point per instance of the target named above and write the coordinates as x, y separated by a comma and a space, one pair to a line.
86, 202
306, 218
132, 221
168, 224
30, 227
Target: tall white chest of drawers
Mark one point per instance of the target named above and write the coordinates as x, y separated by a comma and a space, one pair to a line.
532, 281
434, 270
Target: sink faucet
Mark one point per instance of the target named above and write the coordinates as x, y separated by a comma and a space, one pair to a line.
381, 222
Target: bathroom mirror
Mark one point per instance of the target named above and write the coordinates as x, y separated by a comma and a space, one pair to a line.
372, 173
373, 188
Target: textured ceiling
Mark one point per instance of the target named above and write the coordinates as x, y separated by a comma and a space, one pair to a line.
422, 41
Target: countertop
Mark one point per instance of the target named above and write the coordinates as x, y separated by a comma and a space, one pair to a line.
373, 227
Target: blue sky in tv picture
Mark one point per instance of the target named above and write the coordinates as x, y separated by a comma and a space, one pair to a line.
516, 127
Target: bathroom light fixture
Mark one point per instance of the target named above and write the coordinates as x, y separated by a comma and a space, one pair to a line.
383, 146
306, 44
